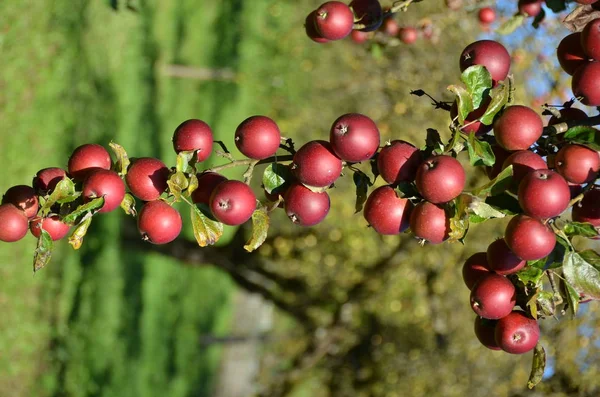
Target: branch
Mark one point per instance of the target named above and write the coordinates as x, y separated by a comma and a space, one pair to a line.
561, 128
250, 162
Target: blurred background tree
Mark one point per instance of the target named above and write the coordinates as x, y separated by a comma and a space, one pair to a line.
355, 314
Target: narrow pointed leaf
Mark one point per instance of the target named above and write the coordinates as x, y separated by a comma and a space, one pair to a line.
484, 210
260, 228
511, 24
433, 142
580, 229
76, 237
584, 135
480, 152
530, 274
500, 98
538, 366
206, 230
122, 163
63, 192
362, 182
192, 185
90, 206
128, 205
43, 251
572, 297
497, 185
463, 102
459, 223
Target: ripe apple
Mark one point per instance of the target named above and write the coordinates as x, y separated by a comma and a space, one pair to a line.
159, 223
485, 332
430, 222
398, 162
305, 207
475, 268
87, 157
354, 137
193, 135
577, 163
386, 212
315, 164
440, 179
529, 238
334, 20
52, 224
490, 54
232, 202
544, 194
493, 296
23, 197
258, 137
517, 333
570, 53
502, 260
518, 127
14, 223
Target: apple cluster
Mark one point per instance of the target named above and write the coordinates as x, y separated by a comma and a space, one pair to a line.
335, 20
579, 56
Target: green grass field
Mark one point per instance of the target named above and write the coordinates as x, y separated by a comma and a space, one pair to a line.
106, 321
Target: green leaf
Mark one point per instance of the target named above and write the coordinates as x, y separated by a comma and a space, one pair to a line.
584, 277
591, 257
43, 251
511, 24
455, 144
260, 228
362, 182
538, 19
580, 229
408, 190
530, 275
206, 230
90, 206
128, 205
484, 210
276, 176
76, 237
185, 160
192, 185
500, 97
556, 5
478, 81
62, 193
433, 142
463, 102
459, 222
177, 183
480, 152
497, 185
557, 256
538, 366
545, 301
122, 162
505, 203
538, 263
584, 135
572, 297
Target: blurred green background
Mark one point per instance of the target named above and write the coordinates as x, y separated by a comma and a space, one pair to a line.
387, 317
